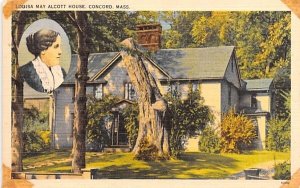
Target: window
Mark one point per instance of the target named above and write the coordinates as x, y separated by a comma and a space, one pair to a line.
174, 89
129, 91
195, 86
253, 101
99, 91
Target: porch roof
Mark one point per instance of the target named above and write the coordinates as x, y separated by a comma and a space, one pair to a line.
259, 84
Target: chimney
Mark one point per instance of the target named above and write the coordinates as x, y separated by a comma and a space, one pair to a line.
149, 36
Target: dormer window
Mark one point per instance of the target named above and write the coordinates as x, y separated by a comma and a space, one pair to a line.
130, 93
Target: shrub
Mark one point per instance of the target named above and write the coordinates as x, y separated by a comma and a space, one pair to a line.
131, 122
282, 171
186, 118
147, 152
209, 140
36, 133
237, 133
279, 135
33, 143
98, 113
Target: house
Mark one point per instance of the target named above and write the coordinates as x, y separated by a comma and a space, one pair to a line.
214, 70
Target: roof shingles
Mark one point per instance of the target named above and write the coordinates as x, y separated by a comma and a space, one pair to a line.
195, 63
258, 84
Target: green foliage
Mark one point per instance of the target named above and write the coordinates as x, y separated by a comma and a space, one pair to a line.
147, 152
186, 118
181, 23
130, 114
209, 140
36, 133
237, 133
282, 171
171, 39
279, 135
99, 112
262, 39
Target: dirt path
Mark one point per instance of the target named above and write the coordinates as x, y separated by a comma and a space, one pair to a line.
266, 173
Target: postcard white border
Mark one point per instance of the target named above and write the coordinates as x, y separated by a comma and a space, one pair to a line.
155, 5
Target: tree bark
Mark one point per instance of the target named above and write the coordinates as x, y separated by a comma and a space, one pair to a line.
80, 112
152, 107
17, 98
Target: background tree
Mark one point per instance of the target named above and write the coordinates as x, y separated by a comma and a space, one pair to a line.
18, 23
262, 39
80, 21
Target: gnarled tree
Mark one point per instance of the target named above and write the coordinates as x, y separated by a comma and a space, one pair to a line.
152, 107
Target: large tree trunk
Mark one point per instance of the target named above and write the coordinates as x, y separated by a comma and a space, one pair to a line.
17, 98
152, 107
80, 113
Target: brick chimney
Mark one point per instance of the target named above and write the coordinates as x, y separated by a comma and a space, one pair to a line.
149, 36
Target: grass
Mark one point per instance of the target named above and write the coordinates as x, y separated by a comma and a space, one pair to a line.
189, 165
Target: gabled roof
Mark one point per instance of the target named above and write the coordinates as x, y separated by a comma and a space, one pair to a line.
97, 62
195, 63
258, 84
186, 63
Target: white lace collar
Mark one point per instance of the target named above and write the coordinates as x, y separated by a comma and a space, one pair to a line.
51, 78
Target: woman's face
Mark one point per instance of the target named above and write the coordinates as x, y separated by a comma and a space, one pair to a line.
51, 56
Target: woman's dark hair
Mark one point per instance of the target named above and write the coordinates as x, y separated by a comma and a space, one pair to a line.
40, 41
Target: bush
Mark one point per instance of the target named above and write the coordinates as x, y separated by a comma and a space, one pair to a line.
147, 152
99, 113
36, 133
186, 118
131, 122
209, 141
237, 133
282, 171
33, 143
279, 135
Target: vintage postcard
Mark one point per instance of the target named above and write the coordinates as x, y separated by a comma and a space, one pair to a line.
131, 94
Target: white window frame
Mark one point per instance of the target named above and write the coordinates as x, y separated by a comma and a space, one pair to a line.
130, 93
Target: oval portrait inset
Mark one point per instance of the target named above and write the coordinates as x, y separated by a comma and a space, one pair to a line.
44, 55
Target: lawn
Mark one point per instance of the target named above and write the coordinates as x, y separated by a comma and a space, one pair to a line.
189, 165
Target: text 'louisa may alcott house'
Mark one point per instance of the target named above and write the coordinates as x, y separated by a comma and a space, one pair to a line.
213, 70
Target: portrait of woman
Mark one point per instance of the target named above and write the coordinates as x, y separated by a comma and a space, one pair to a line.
44, 73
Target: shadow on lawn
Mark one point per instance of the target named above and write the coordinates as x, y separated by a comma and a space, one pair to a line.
188, 166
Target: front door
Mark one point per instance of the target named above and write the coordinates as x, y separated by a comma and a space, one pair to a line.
119, 133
